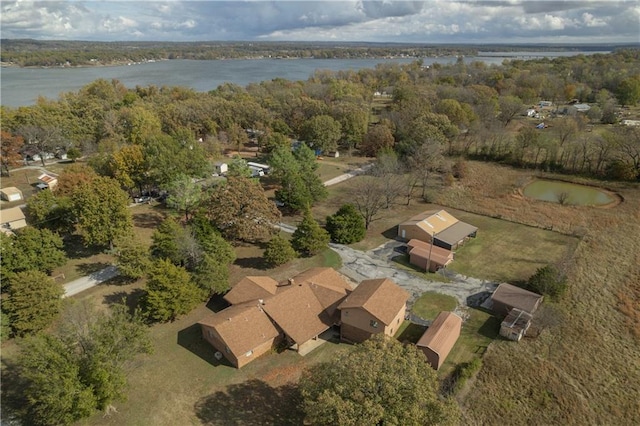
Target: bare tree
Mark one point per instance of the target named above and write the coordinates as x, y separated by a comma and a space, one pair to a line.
44, 139
368, 197
424, 160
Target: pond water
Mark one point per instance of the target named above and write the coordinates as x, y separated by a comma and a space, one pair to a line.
567, 193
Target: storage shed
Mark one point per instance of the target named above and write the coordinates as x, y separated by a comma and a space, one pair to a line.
507, 296
440, 337
12, 219
420, 252
11, 193
515, 325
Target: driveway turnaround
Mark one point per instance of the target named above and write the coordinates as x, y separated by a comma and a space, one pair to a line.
84, 283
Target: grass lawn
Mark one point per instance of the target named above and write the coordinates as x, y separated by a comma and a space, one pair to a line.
507, 251
430, 304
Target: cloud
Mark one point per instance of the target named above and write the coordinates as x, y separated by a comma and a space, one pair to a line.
432, 21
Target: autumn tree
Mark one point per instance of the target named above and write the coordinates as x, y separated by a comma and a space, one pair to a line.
309, 238
380, 382
241, 210
102, 211
129, 166
424, 160
278, 251
510, 107
10, 152
377, 138
346, 226
169, 292
32, 303
322, 132
73, 176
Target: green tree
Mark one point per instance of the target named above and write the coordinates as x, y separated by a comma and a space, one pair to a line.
45, 210
33, 302
164, 241
238, 167
346, 226
184, 195
628, 91
241, 210
132, 258
548, 281
170, 292
306, 158
278, 251
322, 132
102, 209
380, 382
74, 153
129, 166
52, 389
309, 238
31, 249
211, 275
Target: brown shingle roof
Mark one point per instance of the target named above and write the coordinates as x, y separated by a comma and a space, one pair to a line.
456, 232
382, 298
251, 288
516, 297
439, 255
442, 334
298, 312
242, 327
327, 285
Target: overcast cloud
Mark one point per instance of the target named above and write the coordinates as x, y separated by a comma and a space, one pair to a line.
431, 21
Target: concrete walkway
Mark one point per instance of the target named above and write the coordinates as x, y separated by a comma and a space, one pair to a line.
84, 283
348, 175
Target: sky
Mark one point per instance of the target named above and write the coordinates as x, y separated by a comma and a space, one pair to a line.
431, 21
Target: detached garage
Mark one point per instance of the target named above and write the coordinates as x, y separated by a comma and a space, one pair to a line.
11, 193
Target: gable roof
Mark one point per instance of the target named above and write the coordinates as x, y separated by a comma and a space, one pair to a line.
432, 221
442, 334
251, 288
329, 286
382, 298
516, 297
11, 215
439, 255
298, 313
48, 179
11, 190
242, 327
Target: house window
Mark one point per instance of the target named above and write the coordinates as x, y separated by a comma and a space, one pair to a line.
373, 323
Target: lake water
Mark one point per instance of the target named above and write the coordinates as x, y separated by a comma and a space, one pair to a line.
22, 86
581, 195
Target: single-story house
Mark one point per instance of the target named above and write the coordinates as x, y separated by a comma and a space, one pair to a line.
515, 325
420, 252
12, 219
11, 193
251, 288
47, 182
581, 107
440, 226
241, 333
440, 337
507, 297
375, 306
221, 168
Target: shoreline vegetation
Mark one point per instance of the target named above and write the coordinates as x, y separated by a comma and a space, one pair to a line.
74, 54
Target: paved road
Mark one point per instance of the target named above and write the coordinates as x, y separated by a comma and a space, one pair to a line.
84, 283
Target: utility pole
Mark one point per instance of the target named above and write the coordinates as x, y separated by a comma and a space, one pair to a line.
433, 234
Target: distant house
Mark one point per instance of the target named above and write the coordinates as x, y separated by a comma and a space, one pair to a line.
420, 252
47, 182
515, 325
12, 219
374, 307
581, 107
440, 337
11, 193
445, 230
507, 297
221, 168
241, 333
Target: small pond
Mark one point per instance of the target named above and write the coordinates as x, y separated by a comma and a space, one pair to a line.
567, 193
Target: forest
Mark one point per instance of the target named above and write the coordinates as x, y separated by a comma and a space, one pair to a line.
30, 53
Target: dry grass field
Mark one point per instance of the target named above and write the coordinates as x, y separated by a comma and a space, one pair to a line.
586, 369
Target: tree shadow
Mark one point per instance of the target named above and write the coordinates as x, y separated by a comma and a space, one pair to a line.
75, 248
252, 262
191, 339
251, 403
11, 397
490, 328
131, 299
149, 220
91, 267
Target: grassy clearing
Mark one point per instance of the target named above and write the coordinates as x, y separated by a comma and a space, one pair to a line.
430, 304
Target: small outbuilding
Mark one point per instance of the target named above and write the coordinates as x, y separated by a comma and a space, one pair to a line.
515, 325
440, 337
221, 168
424, 255
11, 193
12, 219
47, 182
507, 297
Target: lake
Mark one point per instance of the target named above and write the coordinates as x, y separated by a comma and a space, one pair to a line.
567, 193
22, 86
